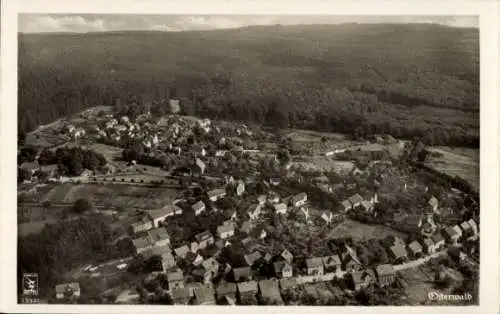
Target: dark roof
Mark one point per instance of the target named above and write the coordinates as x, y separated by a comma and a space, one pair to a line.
204, 294
314, 262
203, 236
269, 288
74, 286
225, 228
415, 246
450, 231
198, 206
165, 211
159, 234
428, 242
182, 251
437, 238
398, 251
287, 255
252, 258
299, 197
143, 242
155, 250
333, 260
226, 288
356, 198
180, 293
247, 286
175, 275
216, 192
242, 272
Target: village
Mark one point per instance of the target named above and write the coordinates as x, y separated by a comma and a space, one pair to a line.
251, 216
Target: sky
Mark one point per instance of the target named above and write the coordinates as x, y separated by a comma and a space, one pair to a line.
81, 23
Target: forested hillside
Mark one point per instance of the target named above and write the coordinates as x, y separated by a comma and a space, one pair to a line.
406, 80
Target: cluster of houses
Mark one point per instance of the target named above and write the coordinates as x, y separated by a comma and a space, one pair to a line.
74, 132
357, 200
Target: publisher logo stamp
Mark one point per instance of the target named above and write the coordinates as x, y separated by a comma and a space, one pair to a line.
30, 288
438, 296
30, 284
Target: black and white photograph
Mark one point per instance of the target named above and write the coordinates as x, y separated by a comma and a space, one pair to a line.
249, 159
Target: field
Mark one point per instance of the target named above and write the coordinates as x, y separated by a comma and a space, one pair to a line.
360, 231
111, 195
33, 227
460, 162
109, 152
420, 282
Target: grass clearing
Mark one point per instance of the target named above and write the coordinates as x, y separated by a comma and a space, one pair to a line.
361, 231
457, 161
33, 227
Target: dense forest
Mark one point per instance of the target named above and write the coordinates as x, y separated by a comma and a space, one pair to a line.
64, 245
405, 80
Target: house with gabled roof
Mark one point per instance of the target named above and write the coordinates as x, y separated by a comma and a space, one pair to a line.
143, 243
155, 250
356, 200
282, 269
242, 274
159, 215
204, 295
332, 263
198, 208
71, 289
350, 261
438, 240
167, 261
247, 289
361, 279
160, 236
144, 224
298, 200
180, 296
428, 245
415, 249
346, 204
225, 231
287, 256
452, 234
175, 279
204, 239
182, 251
194, 247
315, 266
466, 229
216, 194
398, 252
269, 290
226, 289
280, 208
252, 258
473, 225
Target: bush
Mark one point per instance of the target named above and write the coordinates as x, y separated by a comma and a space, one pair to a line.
81, 206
